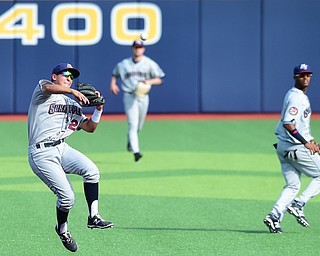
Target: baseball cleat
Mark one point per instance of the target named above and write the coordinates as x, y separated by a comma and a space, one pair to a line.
129, 148
97, 222
296, 210
137, 156
67, 240
273, 223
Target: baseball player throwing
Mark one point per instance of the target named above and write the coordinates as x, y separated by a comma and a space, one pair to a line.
297, 153
132, 71
52, 117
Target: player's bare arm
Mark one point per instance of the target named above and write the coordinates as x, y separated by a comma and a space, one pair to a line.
90, 125
114, 89
154, 81
313, 147
61, 89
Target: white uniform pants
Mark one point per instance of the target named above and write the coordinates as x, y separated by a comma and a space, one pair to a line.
136, 109
294, 160
51, 165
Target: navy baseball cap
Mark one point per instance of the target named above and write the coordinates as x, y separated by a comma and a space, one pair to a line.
66, 66
302, 68
137, 43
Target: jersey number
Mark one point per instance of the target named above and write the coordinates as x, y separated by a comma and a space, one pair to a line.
73, 125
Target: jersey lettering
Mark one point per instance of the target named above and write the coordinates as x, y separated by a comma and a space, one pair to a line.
139, 74
60, 108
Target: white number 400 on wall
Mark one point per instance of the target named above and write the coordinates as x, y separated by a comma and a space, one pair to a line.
21, 22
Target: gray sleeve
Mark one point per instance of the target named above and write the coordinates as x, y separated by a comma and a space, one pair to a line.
39, 95
156, 71
115, 71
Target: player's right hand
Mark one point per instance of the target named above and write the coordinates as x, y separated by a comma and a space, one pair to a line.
82, 99
314, 148
114, 89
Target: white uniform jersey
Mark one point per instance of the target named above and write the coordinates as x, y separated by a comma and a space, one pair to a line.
132, 72
52, 116
296, 110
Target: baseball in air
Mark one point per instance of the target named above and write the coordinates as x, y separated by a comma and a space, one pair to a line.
143, 36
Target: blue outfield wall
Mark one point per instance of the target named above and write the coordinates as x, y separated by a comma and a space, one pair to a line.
218, 56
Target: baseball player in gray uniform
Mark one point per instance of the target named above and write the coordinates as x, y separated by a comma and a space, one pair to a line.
297, 152
131, 71
52, 118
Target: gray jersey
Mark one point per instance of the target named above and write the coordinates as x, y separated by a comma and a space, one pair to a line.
131, 73
52, 116
296, 110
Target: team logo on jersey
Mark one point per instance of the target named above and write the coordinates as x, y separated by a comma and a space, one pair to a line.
60, 108
293, 111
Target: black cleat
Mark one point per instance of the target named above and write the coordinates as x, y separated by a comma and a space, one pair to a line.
67, 241
137, 156
273, 223
97, 222
296, 210
129, 148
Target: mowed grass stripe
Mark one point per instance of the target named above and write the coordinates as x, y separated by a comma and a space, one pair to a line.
202, 188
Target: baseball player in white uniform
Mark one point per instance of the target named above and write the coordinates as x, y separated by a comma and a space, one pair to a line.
131, 71
52, 118
297, 152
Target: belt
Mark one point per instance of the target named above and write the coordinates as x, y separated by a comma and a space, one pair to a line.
49, 144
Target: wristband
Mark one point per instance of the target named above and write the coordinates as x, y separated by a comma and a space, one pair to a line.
298, 136
96, 115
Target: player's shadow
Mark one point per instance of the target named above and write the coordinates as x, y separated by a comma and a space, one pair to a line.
185, 172
197, 230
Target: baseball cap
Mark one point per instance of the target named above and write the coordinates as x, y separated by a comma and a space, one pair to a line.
137, 43
66, 66
302, 68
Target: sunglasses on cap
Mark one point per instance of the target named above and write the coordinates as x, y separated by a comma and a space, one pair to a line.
301, 75
66, 74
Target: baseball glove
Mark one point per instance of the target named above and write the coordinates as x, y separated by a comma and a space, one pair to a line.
91, 93
142, 89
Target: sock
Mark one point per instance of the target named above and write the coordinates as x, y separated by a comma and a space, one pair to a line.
94, 208
62, 218
63, 228
91, 193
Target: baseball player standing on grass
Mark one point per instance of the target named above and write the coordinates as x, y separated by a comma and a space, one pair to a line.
297, 151
131, 71
52, 117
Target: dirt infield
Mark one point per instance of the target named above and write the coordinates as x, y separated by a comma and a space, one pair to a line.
207, 116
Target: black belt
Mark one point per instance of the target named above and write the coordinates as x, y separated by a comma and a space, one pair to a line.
50, 144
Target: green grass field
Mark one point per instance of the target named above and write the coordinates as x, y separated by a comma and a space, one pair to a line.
202, 188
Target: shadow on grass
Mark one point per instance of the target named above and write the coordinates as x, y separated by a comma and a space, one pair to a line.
190, 172
197, 230
152, 174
